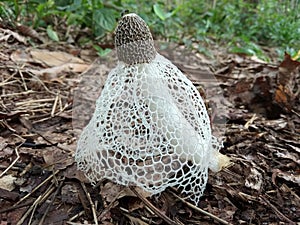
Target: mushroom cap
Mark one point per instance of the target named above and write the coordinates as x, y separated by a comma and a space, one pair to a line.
133, 40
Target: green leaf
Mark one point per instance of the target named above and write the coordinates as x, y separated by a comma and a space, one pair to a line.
100, 51
105, 18
52, 34
246, 51
159, 12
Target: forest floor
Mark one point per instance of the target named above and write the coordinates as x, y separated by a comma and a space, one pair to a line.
254, 108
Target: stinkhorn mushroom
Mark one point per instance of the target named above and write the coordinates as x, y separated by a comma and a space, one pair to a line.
150, 127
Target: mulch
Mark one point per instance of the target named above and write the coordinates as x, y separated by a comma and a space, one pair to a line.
254, 106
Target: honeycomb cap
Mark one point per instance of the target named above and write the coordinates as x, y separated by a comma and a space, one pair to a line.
133, 40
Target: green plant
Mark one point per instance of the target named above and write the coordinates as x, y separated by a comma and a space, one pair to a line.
242, 25
93, 14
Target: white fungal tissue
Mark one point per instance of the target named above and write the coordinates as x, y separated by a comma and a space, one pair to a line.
150, 127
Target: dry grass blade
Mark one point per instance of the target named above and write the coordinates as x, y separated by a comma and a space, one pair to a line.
277, 212
91, 202
30, 102
16, 207
36, 188
29, 210
42, 198
134, 220
201, 210
11, 165
54, 105
153, 208
112, 204
51, 203
75, 217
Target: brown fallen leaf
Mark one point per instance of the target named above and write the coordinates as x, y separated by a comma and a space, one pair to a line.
49, 59
272, 91
57, 158
254, 180
295, 178
72, 172
281, 96
53, 58
30, 32
13, 217
111, 191
286, 67
53, 72
9, 195
7, 182
70, 193
286, 80
135, 220
20, 56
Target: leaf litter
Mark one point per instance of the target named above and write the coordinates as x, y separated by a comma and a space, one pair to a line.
41, 185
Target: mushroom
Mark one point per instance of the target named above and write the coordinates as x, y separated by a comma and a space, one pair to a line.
150, 127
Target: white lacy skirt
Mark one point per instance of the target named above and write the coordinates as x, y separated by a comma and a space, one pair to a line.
150, 129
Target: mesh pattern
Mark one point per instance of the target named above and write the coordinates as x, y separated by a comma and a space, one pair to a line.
150, 129
133, 40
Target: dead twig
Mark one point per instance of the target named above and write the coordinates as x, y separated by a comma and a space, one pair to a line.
51, 203
41, 198
50, 142
33, 210
37, 187
153, 208
112, 204
54, 105
27, 103
277, 212
201, 210
29, 211
249, 122
296, 113
17, 206
91, 203
23, 80
17, 94
76, 216
13, 163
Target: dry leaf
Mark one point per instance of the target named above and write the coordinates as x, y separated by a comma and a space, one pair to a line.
51, 58
286, 79
287, 66
112, 191
57, 158
223, 161
70, 194
254, 180
7, 182
30, 32
135, 221
53, 72
72, 172
20, 56
295, 178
